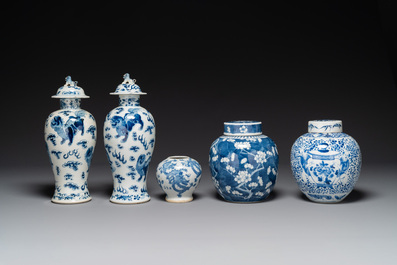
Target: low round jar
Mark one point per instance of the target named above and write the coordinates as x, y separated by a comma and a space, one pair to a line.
326, 162
243, 162
178, 176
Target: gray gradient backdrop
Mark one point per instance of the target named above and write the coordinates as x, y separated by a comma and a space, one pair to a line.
201, 64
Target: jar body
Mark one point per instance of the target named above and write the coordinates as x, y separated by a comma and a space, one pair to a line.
70, 136
244, 168
178, 177
129, 138
326, 166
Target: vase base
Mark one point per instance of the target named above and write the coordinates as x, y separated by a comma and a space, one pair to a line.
70, 201
179, 200
129, 202
245, 202
329, 199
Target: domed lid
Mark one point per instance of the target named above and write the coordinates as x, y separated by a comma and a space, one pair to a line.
325, 126
128, 87
242, 128
70, 90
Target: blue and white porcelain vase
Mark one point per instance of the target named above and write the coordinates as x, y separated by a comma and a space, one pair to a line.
243, 162
129, 136
70, 136
178, 176
326, 162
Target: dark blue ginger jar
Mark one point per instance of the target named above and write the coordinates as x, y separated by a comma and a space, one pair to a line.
243, 162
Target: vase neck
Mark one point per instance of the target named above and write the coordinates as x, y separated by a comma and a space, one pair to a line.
325, 126
242, 128
70, 103
129, 100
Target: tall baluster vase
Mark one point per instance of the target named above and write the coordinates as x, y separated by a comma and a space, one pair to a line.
70, 136
129, 138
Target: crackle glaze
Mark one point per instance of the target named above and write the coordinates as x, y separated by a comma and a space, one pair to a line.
129, 138
243, 162
326, 162
70, 136
178, 176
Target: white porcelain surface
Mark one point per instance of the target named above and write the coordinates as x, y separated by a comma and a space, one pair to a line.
70, 136
178, 176
129, 137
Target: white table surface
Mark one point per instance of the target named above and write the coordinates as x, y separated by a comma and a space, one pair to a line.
285, 229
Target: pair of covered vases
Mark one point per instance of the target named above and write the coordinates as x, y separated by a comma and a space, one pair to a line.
243, 162
129, 139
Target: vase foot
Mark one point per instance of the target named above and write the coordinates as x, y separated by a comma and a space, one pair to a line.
121, 201
179, 200
245, 202
70, 201
329, 199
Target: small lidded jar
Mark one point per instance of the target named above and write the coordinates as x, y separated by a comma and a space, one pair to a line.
243, 162
326, 162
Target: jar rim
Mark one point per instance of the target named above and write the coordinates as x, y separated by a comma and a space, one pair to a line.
179, 157
326, 121
242, 122
325, 126
242, 128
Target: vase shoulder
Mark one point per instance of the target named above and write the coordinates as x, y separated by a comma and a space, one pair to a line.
65, 124
128, 109
326, 135
124, 121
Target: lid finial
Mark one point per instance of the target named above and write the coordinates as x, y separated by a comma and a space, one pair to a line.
69, 81
126, 76
70, 90
128, 87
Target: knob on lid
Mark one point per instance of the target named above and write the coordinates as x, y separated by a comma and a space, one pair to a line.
70, 90
128, 87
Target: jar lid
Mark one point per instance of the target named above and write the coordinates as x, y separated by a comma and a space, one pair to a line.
128, 87
239, 128
70, 90
325, 126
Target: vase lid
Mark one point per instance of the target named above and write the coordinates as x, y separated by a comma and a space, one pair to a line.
325, 126
242, 128
70, 90
128, 87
